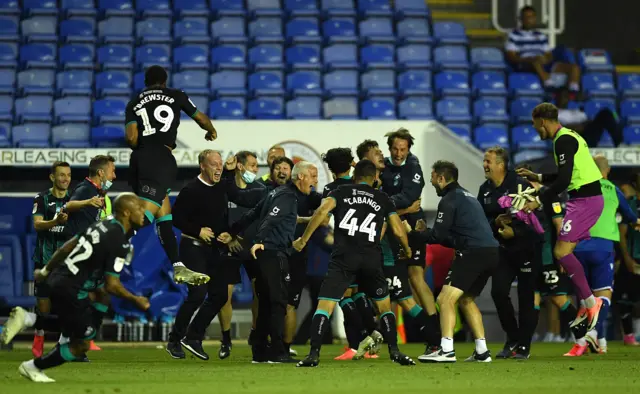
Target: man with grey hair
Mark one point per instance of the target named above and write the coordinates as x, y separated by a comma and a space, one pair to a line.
277, 214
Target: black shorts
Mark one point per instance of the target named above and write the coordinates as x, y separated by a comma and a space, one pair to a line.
42, 290
626, 286
398, 282
417, 254
233, 265
152, 171
471, 269
298, 271
552, 282
344, 268
74, 315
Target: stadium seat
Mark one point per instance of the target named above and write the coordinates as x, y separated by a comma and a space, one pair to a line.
376, 31
78, 31
485, 137
592, 107
6, 108
490, 110
629, 85
33, 109
414, 31
376, 57
5, 134
341, 56
260, 8
108, 136
40, 7
595, 60
191, 57
451, 58
453, 110
153, 8
487, 59
9, 7
266, 31
38, 56
341, 108
11, 274
116, 30
303, 31
228, 31
115, 57
301, 8
528, 155
72, 109
341, 83
304, 83
108, 111
339, 31
81, 8
192, 82
149, 55
77, 57
9, 29
109, 8
32, 82
74, 83
303, 57
229, 57
201, 102
374, 8
191, 31
451, 84
598, 85
630, 112
524, 85
450, 33
488, 83
228, 83
153, 30
415, 108
39, 29
414, 57
415, 83
8, 55
606, 141
520, 110
227, 108
526, 137
378, 83
463, 131
378, 108
138, 81
338, 8
67, 134
222, 8
266, 57
304, 108
631, 135
190, 8
7, 81
265, 108
266, 83
31, 135
114, 83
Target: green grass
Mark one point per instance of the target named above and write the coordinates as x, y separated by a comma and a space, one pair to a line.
148, 369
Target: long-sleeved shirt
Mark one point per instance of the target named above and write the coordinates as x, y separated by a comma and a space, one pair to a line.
404, 184
81, 219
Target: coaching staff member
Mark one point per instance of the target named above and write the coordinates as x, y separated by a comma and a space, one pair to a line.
277, 214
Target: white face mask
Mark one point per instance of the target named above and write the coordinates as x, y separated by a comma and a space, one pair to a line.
106, 185
248, 177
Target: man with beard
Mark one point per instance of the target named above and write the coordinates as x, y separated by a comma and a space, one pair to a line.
280, 172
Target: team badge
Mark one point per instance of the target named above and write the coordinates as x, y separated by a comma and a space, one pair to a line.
557, 208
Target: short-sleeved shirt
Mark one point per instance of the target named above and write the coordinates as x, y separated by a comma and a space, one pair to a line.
527, 43
157, 112
48, 206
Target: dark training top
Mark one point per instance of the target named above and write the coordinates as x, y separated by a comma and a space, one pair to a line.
404, 184
48, 206
81, 219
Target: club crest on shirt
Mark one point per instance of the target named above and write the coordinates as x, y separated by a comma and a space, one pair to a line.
557, 208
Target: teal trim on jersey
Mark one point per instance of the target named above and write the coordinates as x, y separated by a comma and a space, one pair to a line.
164, 218
100, 285
151, 201
83, 294
381, 299
362, 183
329, 299
348, 177
334, 199
91, 336
66, 353
133, 121
358, 296
387, 313
149, 216
557, 216
322, 312
195, 113
353, 286
100, 307
112, 274
415, 311
121, 226
536, 307
565, 306
387, 254
392, 213
345, 301
404, 298
168, 191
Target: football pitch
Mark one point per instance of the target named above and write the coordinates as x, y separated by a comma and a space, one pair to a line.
146, 369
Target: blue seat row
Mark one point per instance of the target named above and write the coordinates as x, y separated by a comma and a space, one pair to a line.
12, 274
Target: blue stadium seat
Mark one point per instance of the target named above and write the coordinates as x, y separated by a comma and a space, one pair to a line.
304, 83
606, 141
463, 131
450, 33
485, 137
376, 57
451, 84
451, 58
9, 29
598, 85
341, 56
109, 8
77, 56
227, 108
266, 31
378, 108
303, 31
526, 137
301, 8
520, 110
7, 81
108, 111
260, 8
229, 57
191, 57
266, 83
266, 57
153, 8
453, 110
303, 57
304, 108
595, 60
72, 109
116, 30
629, 85
376, 30
192, 82
374, 8
339, 31
5, 134
265, 108
113, 83
488, 83
228, 83
201, 103
528, 155
138, 82
74, 83
6, 108
592, 107
149, 55
40, 7
378, 83
190, 8
78, 31
411, 9
39, 29
490, 110
228, 31
221, 8
115, 57
153, 30
82, 8
630, 112
524, 84
32, 82
338, 8
341, 83
341, 108
8, 55
33, 109
76, 134
9, 7
415, 83
108, 136
31, 135
414, 31
415, 108
191, 31
631, 135
11, 274
38, 56
487, 58
414, 56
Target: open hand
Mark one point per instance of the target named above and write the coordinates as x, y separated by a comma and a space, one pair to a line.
255, 248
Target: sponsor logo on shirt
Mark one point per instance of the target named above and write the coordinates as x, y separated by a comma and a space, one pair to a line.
557, 207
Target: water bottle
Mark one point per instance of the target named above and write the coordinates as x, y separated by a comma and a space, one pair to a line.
119, 320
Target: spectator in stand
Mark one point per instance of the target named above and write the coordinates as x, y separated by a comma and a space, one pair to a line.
528, 50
